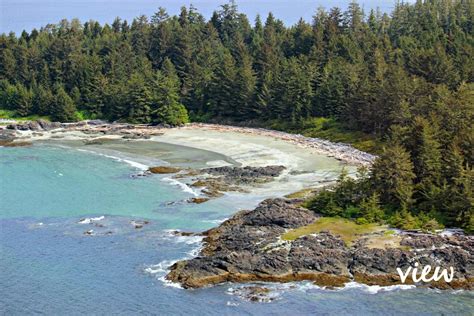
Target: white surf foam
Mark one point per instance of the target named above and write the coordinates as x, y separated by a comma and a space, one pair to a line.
134, 164
89, 220
374, 289
218, 163
215, 221
160, 270
182, 185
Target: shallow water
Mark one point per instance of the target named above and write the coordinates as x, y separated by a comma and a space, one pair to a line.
48, 265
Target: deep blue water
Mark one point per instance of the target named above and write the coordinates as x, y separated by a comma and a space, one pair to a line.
48, 265
19, 15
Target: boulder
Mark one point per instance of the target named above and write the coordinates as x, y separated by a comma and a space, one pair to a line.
164, 170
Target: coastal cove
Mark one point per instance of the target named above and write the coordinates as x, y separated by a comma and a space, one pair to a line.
82, 220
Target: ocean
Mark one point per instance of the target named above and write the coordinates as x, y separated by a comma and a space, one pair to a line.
69, 246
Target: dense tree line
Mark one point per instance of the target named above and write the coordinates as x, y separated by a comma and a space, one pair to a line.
407, 78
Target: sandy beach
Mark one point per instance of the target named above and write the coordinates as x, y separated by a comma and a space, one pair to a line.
308, 162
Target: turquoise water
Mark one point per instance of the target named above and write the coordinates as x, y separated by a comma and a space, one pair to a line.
49, 266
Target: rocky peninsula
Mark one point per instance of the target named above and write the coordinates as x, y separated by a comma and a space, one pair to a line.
249, 247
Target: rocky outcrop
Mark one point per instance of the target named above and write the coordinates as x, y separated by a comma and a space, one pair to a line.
39, 125
248, 247
8, 138
245, 175
215, 181
164, 170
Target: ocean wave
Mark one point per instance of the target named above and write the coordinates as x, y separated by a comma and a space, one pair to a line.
215, 221
160, 270
182, 185
134, 164
374, 289
89, 220
172, 234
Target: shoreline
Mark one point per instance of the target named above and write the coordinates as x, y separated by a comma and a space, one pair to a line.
309, 163
249, 247
340, 151
190, 273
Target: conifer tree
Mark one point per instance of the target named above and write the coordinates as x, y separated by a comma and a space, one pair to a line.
139, 100
62, 108
393, 176
166, 106
23, 100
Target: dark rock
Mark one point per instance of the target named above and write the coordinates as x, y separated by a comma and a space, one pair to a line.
135, 136
7, 135
254, 294
244, 175
96, 122
141, 175
139, 224
35, 125
180, 233
248, 247
279, 212
49, 125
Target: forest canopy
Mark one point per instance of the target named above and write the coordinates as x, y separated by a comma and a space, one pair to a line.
407, 78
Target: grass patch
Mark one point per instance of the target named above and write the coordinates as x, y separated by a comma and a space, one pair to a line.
11, 115
348, 230
302, 194
389, 232
332, 130
385, 241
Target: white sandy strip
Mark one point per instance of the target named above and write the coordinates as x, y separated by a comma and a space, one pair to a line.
341, 151
305, 166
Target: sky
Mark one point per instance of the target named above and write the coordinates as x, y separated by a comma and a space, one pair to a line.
19, 15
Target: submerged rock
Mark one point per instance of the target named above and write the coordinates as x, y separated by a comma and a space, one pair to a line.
15, 143
259, 294
139, 224
184, 234
198, 200
164, 170
248, 247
